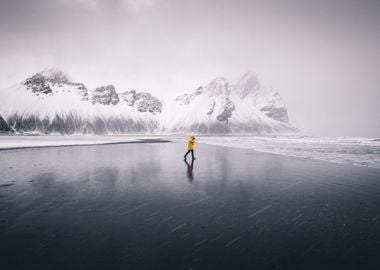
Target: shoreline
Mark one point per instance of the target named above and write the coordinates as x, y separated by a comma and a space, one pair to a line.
293, 156
8, 143
299, 150
85, 144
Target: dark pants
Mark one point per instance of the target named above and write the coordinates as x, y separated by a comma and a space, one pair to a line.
192, 153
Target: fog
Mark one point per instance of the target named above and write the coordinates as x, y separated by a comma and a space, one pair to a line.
322, 56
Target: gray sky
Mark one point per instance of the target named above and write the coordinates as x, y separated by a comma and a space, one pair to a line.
322, 56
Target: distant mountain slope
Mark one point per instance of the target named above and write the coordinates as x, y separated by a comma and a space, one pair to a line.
51, 102
222, 108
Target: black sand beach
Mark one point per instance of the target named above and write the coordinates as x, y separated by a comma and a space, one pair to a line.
140, 206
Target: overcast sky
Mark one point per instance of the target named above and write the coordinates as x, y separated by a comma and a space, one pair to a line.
322, 56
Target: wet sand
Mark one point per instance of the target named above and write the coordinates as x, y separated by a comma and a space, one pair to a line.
140, 206
23, 142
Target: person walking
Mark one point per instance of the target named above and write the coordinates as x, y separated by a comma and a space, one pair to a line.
190, 147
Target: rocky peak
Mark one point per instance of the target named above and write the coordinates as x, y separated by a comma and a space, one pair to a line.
248, 83
143, 101
217, 87
129, 97
38, 84
44, 81
105, 95
55, 76
247, 90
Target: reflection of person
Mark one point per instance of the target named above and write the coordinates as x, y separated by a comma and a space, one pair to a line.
190, 147
190, 170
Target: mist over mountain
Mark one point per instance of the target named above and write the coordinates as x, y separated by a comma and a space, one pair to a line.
50, 102
221, 107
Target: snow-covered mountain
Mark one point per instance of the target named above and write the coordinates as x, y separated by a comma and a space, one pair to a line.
223, 107
51, 102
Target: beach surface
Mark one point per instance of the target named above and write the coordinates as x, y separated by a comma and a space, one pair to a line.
140, 206
22, 142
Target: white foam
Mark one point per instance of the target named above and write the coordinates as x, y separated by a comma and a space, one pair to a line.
355, 151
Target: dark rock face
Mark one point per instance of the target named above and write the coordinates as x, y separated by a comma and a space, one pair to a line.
105, 95
129, 97
76, 124
279, 114
148, 103
228, 108
43, 82
144, 102
274, 108
38, 84
82, 90
211, 108
4, 127
183, 99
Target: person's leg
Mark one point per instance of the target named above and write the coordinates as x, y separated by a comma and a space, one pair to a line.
192, 154
186, 154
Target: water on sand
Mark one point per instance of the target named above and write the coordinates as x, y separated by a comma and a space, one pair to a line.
140, 206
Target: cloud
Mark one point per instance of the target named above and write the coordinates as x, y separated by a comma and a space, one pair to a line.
316, 53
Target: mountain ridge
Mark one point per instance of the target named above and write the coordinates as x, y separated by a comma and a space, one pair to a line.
219, 107
51, 102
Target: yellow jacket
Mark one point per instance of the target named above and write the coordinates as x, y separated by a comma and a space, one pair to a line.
190, 143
